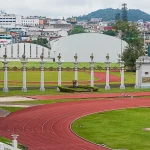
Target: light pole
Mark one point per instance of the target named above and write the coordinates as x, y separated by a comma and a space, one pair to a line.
59, 70
120, 33
24, 62
92, 70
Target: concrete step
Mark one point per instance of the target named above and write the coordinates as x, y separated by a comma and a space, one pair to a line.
4, 113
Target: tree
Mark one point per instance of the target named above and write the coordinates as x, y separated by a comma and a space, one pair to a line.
130, 54
41, 41
124, 12
78, 29
118, 16
109, 32
130, 34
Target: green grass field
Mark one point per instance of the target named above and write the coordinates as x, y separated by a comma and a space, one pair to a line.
121, 129
50, 76
15, 77
54, 92
12, 109
54, 64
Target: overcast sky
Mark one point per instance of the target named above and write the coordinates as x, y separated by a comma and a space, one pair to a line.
66, 8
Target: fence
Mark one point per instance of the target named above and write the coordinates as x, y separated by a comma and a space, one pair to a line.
8, 147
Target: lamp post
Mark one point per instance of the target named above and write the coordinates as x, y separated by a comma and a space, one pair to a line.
92, 70
59, 70
42, 89
137, 84
122, 86
24, 61
107, 87
120, 33
5, 62
76, 69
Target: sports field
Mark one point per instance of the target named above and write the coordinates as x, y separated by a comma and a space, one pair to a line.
51, 77
54, 64
119, 129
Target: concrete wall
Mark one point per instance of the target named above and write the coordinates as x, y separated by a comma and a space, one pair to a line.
12, 51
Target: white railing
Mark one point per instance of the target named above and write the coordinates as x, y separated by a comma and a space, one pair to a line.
8, 147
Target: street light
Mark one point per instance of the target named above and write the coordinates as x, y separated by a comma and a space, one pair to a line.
120, 33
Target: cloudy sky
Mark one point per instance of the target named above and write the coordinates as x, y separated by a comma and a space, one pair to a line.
66, 8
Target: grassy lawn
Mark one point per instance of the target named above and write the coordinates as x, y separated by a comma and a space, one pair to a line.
34, 76
54, 92
50, 76
121, 129
12, 109
54, 64
36, 102
29, 93
128, 76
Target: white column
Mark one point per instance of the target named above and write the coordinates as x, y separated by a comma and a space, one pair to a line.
122, 86
59, 71
24, 62
76, 69
14, 141
5, 62
1, 146
107, 87
92, 70
137, 84
42, 88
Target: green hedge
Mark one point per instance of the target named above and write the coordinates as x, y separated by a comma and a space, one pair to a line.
72, 89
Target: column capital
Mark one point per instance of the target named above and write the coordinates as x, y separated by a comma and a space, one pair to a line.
92, 64
14, 136
5, 62
42, 62
138, 64
122, 64
59, 63
76, 63
107, 64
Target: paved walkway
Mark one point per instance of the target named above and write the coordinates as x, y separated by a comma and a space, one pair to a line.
4, 113
47, 127
89, 95
15, 99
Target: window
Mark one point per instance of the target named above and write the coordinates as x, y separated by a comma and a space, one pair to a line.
146, 73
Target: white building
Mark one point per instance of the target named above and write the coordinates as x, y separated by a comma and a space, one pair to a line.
9, 19
55, 32
30, 21
85, 44
143, 72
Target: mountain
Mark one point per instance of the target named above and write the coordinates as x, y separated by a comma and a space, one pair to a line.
109, 14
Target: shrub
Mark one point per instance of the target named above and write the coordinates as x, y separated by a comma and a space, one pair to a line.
72, 89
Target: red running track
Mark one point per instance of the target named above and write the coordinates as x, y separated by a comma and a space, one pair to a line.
47, 127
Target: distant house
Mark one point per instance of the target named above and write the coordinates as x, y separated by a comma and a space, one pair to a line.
107, 28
